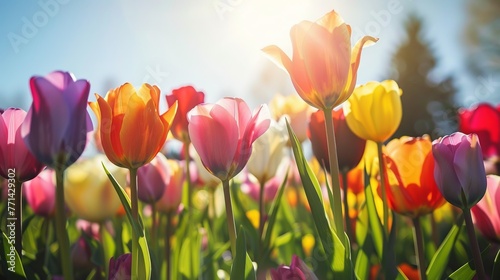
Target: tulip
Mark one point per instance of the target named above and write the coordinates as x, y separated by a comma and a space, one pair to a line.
374, 110
187, 98
55, 131
152, 179
40, 193
231, 129
205, 178
323, 68
461, 178
251, 187
297, 270
56, 126
89, 193
412, 189
351, 146
14, 154
486, 212
268, 152
131, 129
172, 196
296, 111
120, 269
483, 120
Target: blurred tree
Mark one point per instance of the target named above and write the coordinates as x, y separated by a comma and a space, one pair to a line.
428, 106
482, 46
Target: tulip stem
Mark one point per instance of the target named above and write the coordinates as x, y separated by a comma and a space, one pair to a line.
334, 174
381, 166
230, 217
135, 215
61, 233
154, 214
49, 232
346, 209
168, 235
188, 176
476, 253
419, 248
261, 211
105, 251
18, 216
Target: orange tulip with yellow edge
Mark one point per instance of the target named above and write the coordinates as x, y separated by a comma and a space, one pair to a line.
411, 188
374, 110
132, 131
324, 67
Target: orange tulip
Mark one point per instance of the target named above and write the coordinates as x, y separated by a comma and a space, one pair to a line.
411, 187
323, 68
132, 131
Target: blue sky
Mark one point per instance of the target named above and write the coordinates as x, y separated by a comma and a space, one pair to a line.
214, 45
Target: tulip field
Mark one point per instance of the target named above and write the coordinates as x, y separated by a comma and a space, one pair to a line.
309, 186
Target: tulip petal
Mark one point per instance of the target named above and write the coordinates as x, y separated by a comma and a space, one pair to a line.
444, 173
109, 124
237, 108
330, 21
278, 57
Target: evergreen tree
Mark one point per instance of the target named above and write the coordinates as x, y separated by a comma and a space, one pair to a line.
428, 106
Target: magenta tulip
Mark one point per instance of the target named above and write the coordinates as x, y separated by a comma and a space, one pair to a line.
152, 179
297, 270
40, 193
223, 134
486, 212
57, 123
16, 161
459, 169
120, 269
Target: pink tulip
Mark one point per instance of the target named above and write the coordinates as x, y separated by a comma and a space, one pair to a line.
152, 179
297, 270
57, 124
486, 213
223, 134
459, 169
40, 193
172, 197
15, 158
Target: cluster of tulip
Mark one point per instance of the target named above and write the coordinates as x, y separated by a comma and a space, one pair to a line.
150, 205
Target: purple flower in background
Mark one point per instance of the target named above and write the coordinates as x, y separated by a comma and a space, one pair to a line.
120, 269
152, 178
297, 270
57, 124
14, 154
459, 169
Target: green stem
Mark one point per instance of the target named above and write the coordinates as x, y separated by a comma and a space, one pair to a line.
18, 217
346, 208
476, 253
168, 249
230, 217
105, 252
135, 216
261, 211
188, 176
419, 248
334, 173
61, 233
48, 241
434, 230
381, 166
154, 214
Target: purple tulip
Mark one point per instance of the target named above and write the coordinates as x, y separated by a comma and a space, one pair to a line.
152, 179
297, 270
57, 125
459, 169
15, 158
120, 269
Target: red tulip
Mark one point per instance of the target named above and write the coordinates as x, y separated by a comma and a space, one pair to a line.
187, 98
483, 120
350, 148
15, 158
223, 134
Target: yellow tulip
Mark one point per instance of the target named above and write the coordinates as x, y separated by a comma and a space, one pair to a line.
88, 191
296, 110
373, 112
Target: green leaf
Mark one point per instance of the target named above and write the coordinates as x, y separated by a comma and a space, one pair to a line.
440, 259
274, 212
377, 230
125, 200
189, 258
495, 274
144, 258
12, 266
466, 272
242, 267
362, 266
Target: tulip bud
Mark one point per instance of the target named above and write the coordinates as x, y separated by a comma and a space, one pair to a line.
121, 268
152, 179
459, 169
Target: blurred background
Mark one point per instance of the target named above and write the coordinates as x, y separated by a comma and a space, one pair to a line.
444, 54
